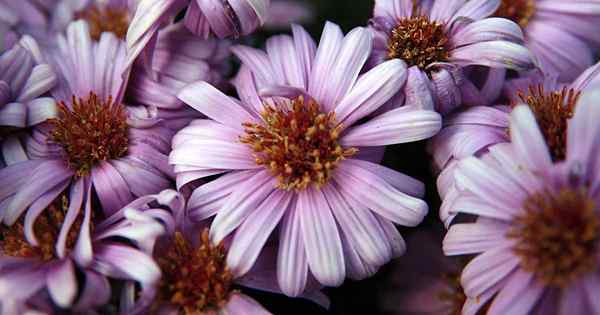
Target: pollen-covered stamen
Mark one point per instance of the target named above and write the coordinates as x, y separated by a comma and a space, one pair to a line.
194, 279
518, 11
106, 19
91, 131
557, 236
552, 111
419, 42
298, 144
46, 228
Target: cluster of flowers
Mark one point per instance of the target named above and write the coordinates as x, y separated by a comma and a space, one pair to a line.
132, 183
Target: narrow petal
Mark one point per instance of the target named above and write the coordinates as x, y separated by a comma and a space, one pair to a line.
252, 235
495, 54
292, 266
327, 53
528, 140
519, 296
62, 283
474, 238
323, 244
488, 269
113, 192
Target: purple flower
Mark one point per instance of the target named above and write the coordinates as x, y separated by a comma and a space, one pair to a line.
438, 39
472, 131
25, 77
40, 262
538, 229
561, 34
300, 161
120, 150
195, 276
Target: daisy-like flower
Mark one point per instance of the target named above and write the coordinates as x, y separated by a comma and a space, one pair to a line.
42, 262
121, 150
472, 131
300, 160
561, 34
537, 235
437, 39
24, 79
195, 276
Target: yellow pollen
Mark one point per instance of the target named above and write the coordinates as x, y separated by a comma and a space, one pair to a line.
518, 11
91, 131
419, 42
557, 236
195, 279
107, 19
298, 144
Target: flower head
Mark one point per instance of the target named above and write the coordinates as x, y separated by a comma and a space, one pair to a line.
46, 256
473, 130
537, 235
95, 137
296, 159
439, 39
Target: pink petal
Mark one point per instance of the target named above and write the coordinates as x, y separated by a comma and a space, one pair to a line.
292, 266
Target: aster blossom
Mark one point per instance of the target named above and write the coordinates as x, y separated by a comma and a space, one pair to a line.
296, 159
38, 275
195, 278
538, 227
438, 39
119, 150
472, 131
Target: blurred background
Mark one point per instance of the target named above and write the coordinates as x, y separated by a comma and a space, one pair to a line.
372, 295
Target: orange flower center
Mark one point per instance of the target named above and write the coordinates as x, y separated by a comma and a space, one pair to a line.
557, 236
552, 111
194, 279
47, 228
297, 143
419, 42
106, 19
91, 131
518, 11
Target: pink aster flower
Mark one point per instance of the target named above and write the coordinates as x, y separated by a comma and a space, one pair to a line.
195, 276
25, 78
300, 161
538, 229
472, 131
561, 34
119, 149
44, 267
438, 39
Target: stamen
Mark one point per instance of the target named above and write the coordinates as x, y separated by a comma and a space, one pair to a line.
557, 236
195, 279
299, 144
518, 11
91, 131
552, 111
419, 42
46, 228
107, 19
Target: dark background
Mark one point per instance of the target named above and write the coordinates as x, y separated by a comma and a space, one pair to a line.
356, 297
